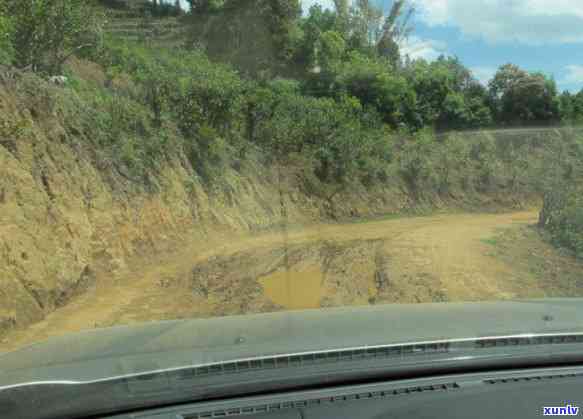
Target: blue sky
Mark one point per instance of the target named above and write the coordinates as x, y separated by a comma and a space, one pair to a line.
537, 35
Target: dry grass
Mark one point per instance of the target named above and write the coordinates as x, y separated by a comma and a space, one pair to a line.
536, 261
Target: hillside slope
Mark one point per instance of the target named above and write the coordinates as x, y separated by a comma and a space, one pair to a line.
134, 23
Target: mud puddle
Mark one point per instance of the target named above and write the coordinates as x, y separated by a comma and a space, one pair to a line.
322, 274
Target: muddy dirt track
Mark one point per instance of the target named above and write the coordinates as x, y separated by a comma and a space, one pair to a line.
434, 258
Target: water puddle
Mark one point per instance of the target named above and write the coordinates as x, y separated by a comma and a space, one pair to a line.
296, 277
294, 290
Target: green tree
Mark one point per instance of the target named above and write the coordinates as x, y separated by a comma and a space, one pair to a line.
480, 114
342, 15
212, 97
432, 83
364, 22
460, 77
448, 97
333, 48
254, 35
477, 100
157, 88
376, 86
567, 107
395, 30
318, 22
282, 16
454, 113
520, 97
459, 111
47, 32
6, 29
577, 101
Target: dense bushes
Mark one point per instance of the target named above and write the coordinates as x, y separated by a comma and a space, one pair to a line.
567, 226
222, 117
559, 177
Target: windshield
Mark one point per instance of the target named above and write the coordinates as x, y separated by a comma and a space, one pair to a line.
166, 160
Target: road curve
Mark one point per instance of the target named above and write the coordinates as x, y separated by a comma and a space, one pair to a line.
446, 249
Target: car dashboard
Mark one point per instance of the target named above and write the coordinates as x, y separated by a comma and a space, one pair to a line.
502, 394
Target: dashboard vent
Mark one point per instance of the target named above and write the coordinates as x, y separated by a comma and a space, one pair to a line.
316, 358
527, 340
534, 378
322, 401
393, 351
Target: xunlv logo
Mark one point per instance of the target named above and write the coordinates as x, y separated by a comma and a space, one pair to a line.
561, 411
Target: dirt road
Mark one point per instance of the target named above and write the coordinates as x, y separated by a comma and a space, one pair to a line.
435, 258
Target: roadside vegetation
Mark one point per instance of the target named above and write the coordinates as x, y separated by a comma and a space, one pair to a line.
330, 93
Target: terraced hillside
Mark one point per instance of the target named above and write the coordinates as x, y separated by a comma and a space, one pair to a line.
134, 22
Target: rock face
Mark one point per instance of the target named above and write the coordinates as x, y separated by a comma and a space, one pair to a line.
65, 216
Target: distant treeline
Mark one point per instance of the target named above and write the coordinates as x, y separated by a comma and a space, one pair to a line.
355, 50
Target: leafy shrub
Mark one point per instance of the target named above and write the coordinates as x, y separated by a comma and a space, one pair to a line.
211, 96
46, 32
209, 154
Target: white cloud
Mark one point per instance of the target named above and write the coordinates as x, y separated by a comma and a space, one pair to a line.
483, 74
532, 22
574, 75
428, 49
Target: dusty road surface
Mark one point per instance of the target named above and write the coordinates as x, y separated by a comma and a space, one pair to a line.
434, 258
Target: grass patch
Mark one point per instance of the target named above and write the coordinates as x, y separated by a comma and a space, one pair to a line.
492, 241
